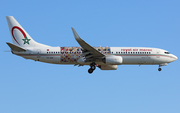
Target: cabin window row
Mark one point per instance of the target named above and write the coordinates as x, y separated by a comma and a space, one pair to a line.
53, 52
132, 52
63, 52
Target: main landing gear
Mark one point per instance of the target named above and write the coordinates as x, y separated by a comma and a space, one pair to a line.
92, 67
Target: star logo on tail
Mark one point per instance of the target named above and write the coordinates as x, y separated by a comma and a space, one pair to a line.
26, 40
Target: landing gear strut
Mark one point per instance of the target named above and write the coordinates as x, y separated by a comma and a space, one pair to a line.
92, 67
159, 69
163, 64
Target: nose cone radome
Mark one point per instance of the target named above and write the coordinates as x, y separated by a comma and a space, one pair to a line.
175, 58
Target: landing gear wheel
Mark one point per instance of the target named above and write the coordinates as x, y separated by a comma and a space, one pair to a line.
159, 69
90, 70
93, 67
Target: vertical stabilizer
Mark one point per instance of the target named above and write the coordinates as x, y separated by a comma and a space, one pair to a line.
19, 36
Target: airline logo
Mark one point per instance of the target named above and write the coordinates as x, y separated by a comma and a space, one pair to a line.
26, 40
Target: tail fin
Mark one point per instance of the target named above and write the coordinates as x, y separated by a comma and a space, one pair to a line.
19, 36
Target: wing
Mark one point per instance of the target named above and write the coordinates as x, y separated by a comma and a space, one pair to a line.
90, 53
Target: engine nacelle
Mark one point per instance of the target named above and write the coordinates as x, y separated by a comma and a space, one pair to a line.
108, 67
113, 60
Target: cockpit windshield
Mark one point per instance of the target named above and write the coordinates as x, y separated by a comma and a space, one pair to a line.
166, 52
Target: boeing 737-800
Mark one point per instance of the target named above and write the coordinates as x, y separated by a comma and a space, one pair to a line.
106, 58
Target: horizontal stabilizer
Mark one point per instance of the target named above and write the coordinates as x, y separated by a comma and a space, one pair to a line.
15, 47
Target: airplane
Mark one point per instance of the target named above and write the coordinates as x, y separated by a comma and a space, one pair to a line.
105, 58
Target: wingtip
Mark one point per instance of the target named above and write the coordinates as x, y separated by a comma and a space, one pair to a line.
75, 33
72, 29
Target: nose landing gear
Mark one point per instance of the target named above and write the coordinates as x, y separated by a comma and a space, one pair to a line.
164, 64
159, 69
92, 67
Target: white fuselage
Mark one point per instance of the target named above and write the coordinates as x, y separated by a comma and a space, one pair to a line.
71, 55
105, 58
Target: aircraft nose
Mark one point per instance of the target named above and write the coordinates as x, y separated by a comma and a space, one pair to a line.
175, 57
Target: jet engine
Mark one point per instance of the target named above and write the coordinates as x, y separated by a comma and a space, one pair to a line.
113, 60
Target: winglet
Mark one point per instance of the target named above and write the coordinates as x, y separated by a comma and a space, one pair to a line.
15, 47
75, 33
86, 46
